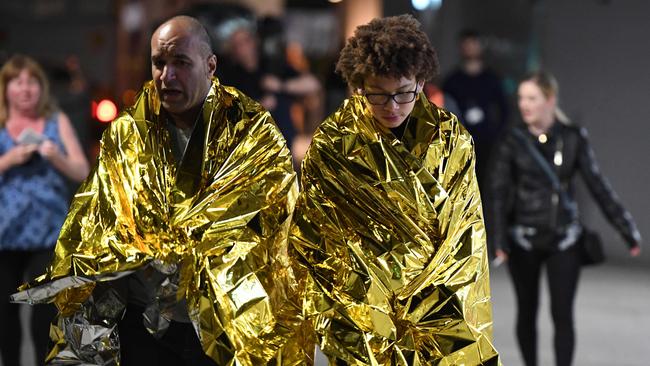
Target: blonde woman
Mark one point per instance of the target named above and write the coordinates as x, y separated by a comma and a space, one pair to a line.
536, 222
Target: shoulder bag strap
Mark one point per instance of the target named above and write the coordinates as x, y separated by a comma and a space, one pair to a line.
546, 167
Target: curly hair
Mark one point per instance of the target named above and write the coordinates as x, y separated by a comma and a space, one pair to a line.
393, 47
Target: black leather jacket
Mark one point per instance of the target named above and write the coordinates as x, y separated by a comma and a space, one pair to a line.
522, 194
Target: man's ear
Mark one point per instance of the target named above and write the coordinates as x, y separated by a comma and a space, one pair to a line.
420, 85
212, 65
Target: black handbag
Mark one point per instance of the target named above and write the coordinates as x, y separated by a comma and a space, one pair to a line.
591, 248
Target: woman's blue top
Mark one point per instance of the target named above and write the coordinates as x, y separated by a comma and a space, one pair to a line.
34, 197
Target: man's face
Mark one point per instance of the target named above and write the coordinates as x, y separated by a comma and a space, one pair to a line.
180, 69
471, 48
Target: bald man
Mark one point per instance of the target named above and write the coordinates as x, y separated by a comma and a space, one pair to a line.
174, 249
182, 65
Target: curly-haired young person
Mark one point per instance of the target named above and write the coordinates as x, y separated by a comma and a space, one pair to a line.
388, 236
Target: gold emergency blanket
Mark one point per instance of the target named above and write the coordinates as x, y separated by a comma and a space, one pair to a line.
219, 219
389, 239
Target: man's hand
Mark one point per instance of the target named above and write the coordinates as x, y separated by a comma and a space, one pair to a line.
635, 251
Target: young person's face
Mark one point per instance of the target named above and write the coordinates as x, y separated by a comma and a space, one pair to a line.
534, 106
391, 100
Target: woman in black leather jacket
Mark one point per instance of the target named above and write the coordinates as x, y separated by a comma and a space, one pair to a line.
536, 225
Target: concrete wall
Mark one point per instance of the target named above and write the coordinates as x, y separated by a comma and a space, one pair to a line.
599, 52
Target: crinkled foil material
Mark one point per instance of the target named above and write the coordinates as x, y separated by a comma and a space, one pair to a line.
389, 242
222, 216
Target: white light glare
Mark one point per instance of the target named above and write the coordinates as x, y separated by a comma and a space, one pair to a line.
420, 4
424, 4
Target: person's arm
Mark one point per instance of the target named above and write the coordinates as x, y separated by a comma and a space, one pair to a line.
16, 156
499, 193
299, 85
72, 163
605, 196
302, 84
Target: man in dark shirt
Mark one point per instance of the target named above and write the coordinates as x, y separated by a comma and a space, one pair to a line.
480, 97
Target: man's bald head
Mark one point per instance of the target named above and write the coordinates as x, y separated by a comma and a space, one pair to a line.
182, 66
188, 26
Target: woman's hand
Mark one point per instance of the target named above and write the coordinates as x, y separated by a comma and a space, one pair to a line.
20, 154
501, 257
635, 251
49, 150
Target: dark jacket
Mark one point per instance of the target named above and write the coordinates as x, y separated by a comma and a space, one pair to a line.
522, 193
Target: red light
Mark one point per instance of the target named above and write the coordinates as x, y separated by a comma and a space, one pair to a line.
105, 110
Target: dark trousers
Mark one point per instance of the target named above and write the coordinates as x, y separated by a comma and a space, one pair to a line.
16, 267
179, 346
563, 270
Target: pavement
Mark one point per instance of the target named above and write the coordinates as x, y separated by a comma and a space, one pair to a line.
612, 319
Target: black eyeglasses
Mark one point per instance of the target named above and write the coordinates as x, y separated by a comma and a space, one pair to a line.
399, 98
